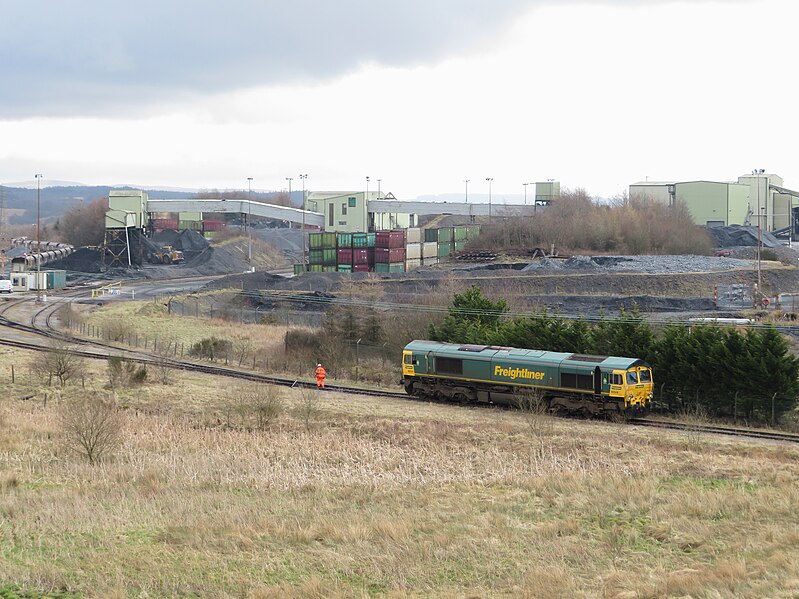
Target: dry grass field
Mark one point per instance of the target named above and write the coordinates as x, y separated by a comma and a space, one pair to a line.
337, 496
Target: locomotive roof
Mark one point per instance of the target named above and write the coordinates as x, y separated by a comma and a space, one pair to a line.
497, 351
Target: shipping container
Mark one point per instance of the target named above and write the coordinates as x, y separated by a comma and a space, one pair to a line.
472, 231
344, 240
326, 256
327, 268
56, 279
411, 263
360, 240
193, 225
299, 269
164, 223
344, 267
430, 235
429, 249
213, 225
413, 251
360, 268
315, 268
388, 255
390, 239
444, 249
370, 256
445, 235
460, 246
319, 241
360, 256
395, 267
459, 233
344, 255
413, 235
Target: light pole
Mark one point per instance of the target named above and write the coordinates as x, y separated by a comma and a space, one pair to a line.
303, 178
489, 179
525, 192
467, 189
757, 172
378, 188
38, 239
249, 220
366, 199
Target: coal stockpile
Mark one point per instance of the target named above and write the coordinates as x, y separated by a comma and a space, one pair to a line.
81, 260
214, 260
191, 243
738, 236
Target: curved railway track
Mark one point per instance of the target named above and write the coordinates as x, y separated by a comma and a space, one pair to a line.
47, 332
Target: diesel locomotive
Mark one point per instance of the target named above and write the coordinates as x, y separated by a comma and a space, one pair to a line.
567, 383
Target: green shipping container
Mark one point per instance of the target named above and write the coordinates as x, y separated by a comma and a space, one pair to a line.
363, 240
319, 241
460, 246
327, 256
344, 240
444, 249
430, 235
329, 268
315, 268
472, 231
459, 233
345, 267
445, 234
299, 269
393, 267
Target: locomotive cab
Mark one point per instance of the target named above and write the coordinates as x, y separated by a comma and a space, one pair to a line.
634, 386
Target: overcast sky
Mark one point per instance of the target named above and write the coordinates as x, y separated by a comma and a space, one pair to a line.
422, 94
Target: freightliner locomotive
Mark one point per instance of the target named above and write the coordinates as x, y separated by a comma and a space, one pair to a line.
567, 383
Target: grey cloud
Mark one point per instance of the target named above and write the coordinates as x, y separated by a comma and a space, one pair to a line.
88, 57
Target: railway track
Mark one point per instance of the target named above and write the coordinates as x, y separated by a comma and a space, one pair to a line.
716, 430
48, 333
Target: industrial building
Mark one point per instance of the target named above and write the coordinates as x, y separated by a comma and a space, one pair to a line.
755, 199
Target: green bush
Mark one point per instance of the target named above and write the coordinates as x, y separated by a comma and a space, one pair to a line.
210, 348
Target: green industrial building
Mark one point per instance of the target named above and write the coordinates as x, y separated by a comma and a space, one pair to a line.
756, 199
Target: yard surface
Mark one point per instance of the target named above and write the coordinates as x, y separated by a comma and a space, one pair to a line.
351, 496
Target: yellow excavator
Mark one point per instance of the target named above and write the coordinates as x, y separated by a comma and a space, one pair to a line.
167, 255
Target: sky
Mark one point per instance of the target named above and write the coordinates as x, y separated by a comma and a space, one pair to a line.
418, 94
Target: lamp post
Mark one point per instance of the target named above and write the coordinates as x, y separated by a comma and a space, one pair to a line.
249, 220
38, 239
525, 192
757, 172
489, 179
378, 188
303, 178
366, 199
467, 189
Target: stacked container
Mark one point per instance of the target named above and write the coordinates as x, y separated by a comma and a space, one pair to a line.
159, 224
322, 253
413, 249
390, 251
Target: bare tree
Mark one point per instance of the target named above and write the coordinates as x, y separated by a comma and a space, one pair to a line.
535, 409
92, 427
309, 409
59, 362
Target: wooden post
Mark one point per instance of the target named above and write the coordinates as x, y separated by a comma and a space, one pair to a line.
12, 373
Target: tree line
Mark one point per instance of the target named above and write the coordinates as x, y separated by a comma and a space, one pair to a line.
724, 371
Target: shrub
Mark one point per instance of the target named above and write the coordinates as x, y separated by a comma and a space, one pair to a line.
124, 373
210, 348
92, 427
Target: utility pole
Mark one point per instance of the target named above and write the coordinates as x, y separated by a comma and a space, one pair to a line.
303, 178
467, 189
489, 179
249, 220
38, 240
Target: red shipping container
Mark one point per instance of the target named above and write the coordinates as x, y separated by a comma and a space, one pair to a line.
389, 255
360, 268
344, 256
370, 256
213, 225
360, 256
165, 223
390, 239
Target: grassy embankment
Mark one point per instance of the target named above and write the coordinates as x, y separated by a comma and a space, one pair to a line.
362, 496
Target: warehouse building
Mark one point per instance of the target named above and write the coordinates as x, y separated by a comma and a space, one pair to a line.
752, 198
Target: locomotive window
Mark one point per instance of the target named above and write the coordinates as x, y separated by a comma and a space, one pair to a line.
632, 377
585, 381
408, 358
449, 365
576, 381
646, 376
615, 379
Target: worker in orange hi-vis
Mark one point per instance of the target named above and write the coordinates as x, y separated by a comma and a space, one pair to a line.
320, 376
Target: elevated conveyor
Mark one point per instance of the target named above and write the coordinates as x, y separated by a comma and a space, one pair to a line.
292, 215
